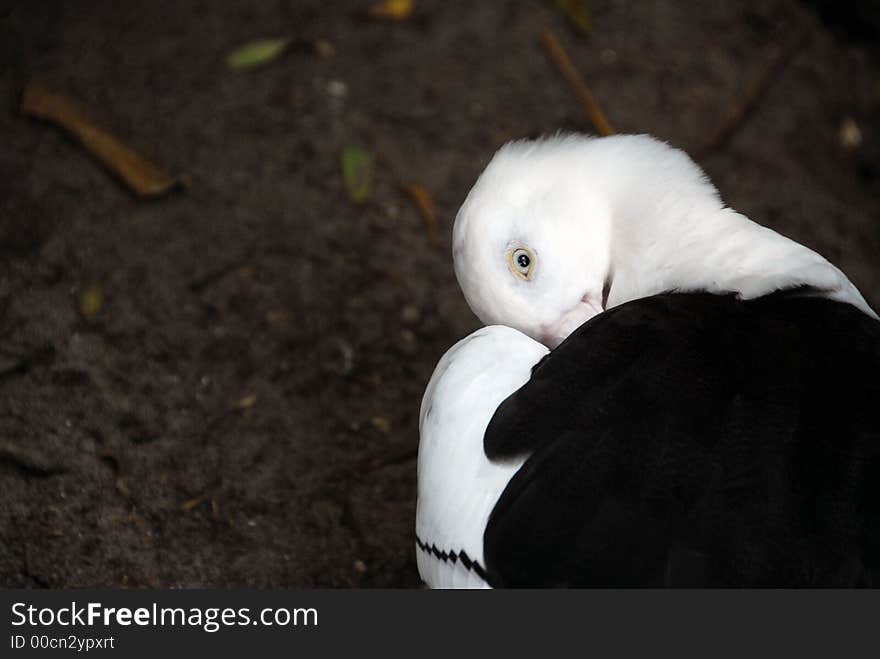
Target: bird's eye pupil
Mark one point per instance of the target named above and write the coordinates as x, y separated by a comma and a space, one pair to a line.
520, 262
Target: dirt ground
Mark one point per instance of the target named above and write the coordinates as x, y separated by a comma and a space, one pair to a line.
243, 409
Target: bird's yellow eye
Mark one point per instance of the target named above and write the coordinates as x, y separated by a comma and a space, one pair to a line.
521, 261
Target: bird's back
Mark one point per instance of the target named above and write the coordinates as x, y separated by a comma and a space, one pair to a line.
696, 439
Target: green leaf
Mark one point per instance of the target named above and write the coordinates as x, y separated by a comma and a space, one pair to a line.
577, 13
357, 170
256, 53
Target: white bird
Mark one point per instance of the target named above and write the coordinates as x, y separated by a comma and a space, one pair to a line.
713, 422
559, 229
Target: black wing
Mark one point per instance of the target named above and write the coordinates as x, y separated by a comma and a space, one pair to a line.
696, 439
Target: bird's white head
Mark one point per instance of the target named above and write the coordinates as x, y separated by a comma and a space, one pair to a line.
558, 229
531, 241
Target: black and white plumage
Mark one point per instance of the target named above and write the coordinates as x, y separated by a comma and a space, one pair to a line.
718, 424
679, 440
458, 486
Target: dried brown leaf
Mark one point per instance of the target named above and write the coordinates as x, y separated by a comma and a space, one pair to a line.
324, 48
142, 176
850, 134
381, 423
425, 203
392, 10
246, 402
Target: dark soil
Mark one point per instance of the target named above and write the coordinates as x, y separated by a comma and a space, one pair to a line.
243, 410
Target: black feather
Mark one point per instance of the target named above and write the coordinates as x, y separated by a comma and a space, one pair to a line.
696, 439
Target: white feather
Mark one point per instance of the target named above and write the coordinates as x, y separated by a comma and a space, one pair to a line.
627, 216
457, 485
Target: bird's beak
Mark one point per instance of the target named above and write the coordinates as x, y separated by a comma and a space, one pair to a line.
555, 334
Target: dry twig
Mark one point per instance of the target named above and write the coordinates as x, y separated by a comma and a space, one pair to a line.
425, 203
563, 62
741, 111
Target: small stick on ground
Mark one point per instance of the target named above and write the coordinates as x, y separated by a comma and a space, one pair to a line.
418, 194
560, 57
425, 203
740, 112
189, 504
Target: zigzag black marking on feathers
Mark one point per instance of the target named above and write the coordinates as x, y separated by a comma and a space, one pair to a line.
453, 557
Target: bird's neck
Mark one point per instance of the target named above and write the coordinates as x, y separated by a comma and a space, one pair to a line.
702, 246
